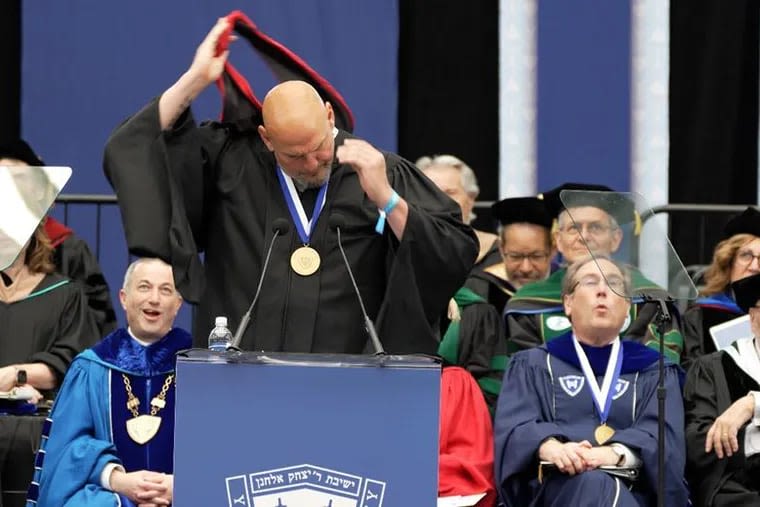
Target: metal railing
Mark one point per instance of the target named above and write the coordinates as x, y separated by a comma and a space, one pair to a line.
66, 200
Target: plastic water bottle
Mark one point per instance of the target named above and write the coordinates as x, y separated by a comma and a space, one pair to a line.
220, 337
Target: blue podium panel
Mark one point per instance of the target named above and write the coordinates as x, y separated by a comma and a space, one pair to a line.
296, 430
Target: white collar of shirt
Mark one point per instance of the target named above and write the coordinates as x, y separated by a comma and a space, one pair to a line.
138, 340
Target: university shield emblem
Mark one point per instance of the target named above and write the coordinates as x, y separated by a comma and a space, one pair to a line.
620, 388
572, 384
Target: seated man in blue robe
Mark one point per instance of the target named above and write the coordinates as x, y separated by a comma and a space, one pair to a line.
109, 438
584, 405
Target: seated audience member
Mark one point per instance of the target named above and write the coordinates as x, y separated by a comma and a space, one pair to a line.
525, 245
71, 255
44, 324
465, 465
535, 313
586, 400
722, 404
735, 257
474, 335
457, 180
109, 443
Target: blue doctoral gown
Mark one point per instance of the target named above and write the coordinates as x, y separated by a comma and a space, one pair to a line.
87, 426
544, 394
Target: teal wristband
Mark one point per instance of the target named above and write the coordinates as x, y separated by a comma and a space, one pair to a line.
392, 202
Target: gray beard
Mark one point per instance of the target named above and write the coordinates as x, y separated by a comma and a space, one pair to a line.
302, 185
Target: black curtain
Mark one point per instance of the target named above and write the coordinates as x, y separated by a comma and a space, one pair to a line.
713, 115
10, 63
449, 86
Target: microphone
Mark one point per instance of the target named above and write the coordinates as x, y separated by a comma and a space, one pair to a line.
336, 222
280, 226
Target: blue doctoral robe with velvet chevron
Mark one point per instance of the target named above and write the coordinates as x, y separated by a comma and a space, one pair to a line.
544, 395
87, 426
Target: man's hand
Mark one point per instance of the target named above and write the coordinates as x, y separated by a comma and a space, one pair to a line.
143, 487
596, 457
369, 165
722, 435
566, 457
207, 66
168, 497
34, 395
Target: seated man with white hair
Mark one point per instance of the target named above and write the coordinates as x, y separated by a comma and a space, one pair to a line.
457, 180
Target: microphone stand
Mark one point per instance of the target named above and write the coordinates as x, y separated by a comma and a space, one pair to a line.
662, 317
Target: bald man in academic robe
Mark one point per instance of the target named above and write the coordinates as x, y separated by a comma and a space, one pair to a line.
220, 189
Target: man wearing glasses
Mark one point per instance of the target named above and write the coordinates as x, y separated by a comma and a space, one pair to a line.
535, 314
525, 245
577, 419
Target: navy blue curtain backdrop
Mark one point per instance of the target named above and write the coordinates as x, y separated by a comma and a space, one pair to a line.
88, 64
584, 103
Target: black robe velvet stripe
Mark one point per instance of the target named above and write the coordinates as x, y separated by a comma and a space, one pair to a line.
214, 189
697, 321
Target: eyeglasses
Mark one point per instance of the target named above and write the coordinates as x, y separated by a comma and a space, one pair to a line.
533, 257
747, 256
592, 228
614, 282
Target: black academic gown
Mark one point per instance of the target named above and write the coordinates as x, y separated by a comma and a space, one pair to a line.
214, 189
699, 318
49, 326
713, 383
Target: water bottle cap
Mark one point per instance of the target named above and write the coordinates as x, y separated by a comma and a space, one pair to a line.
221, 322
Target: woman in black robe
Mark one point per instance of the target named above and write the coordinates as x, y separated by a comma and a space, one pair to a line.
735, 257
44, 323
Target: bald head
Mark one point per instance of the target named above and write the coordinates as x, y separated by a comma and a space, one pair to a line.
297, 128
291, 110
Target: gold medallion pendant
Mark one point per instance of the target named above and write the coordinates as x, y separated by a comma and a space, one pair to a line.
305, 261
602, 433
143, 427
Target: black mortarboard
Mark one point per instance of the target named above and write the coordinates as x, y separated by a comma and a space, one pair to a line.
20, 150
747, 291
616, 204
746, 222
522, 210
240, 103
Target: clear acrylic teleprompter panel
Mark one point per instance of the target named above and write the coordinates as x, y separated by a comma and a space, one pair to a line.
645, 249
26, 195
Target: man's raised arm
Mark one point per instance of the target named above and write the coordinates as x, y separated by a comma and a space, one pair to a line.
206, 68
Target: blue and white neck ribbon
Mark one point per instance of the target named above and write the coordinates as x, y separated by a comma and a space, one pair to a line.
303, 225
602, 396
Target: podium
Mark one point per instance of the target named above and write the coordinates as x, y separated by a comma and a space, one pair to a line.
306, 430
